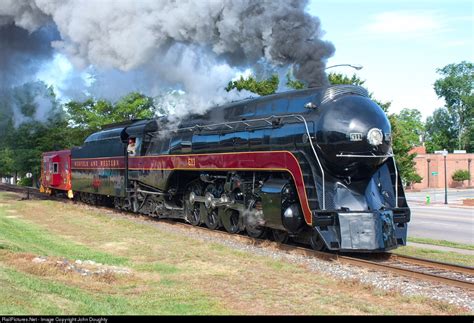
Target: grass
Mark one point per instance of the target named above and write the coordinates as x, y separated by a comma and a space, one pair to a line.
20, 236
443, 243
438, 255
29, 294
170, 273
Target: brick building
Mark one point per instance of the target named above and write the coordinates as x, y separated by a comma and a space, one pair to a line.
431, 168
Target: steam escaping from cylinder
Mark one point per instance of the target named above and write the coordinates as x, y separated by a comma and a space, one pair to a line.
151, 42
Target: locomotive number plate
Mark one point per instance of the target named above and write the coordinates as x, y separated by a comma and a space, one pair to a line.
356, 136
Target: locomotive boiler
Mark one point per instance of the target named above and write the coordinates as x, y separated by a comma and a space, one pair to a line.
314, 165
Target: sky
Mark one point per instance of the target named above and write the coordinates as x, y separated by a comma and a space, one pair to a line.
400, 44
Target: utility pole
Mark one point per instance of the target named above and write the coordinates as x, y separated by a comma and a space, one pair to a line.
445, 153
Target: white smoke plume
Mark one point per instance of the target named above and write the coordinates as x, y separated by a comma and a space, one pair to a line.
195, 46
31, 101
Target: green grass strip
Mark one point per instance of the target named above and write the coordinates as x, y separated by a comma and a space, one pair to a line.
20, 236
443, 243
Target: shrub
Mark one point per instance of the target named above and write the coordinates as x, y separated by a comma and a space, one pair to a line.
25, 181
461, 175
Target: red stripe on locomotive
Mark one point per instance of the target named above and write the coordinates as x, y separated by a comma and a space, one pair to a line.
263, 161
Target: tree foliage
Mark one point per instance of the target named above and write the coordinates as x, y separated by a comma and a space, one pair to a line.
456, 87
91, 115
339, 78
407, 128
21, 145
7, 162
293, 83
441, 131
413, 127
263, 87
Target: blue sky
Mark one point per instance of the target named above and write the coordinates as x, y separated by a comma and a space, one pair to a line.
400, 44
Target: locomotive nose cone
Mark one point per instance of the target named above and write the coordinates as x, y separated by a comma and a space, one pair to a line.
352, 132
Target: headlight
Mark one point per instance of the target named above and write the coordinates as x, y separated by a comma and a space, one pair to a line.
375, 137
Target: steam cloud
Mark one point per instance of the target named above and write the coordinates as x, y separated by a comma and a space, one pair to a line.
146, 45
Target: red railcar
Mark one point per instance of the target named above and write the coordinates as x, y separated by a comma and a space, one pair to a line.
56, 172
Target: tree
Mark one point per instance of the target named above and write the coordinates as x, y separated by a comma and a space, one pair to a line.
90, 115
263, 87
441, 131
406, 130
339, 78
6, 162
293, 83
413, 127
456, 87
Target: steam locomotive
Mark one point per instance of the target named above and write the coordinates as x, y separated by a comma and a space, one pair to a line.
313, 165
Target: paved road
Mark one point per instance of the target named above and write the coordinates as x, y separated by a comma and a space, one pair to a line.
437, 196
442, 223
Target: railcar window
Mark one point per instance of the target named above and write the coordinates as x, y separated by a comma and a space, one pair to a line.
55, 168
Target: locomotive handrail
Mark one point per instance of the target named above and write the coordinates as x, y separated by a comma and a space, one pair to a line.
316, 155
267, 120
396, 180
364, 156
246, 122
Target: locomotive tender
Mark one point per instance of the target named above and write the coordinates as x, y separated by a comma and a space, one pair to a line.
315, 165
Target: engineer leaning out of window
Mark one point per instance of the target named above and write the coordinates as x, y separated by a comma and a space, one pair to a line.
131, 147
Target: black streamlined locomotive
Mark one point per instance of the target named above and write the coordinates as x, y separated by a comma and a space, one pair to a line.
315, 165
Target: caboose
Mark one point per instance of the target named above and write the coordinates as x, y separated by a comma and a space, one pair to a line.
56, 173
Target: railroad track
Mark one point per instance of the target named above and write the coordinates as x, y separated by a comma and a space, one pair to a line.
28, 191
416, 268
